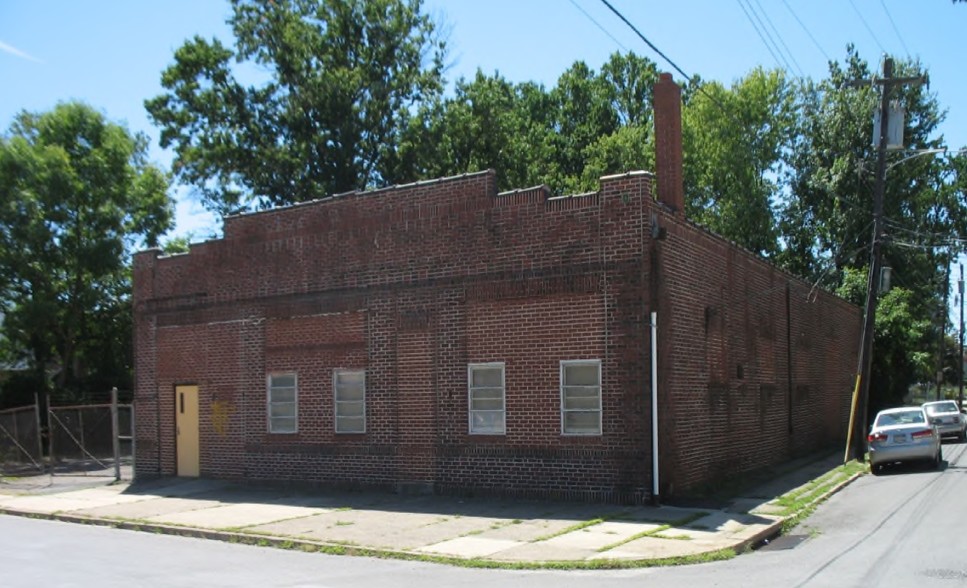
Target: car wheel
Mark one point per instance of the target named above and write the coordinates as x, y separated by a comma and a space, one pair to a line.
876, 469
963, 436
938, 459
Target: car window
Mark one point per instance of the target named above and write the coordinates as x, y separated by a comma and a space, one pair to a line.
939, 407
900, 418
885, 420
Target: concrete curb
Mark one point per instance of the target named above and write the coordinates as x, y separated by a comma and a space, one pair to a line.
216, 535
775, 529
300, 544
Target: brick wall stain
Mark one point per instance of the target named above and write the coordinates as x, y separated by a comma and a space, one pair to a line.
414, 282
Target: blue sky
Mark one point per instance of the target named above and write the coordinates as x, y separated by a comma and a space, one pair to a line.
110, 53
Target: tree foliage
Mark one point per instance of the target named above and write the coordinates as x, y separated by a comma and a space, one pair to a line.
826, 221
342, 78
76, 193
735, 141
350, 96
589, 124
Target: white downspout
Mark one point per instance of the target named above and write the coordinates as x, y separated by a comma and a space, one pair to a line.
654, 407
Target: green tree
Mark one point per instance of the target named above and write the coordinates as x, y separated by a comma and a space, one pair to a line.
488, 123
341, 80
627, 81
583, 114
901, 336
588, 125
826, 221
734, 141
76, 193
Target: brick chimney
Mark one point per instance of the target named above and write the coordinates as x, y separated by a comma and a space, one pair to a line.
667, 105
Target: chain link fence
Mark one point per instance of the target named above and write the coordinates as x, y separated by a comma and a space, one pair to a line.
94, 439
21, 446
91, 439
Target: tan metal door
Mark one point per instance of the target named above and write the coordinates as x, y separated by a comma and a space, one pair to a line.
186, 430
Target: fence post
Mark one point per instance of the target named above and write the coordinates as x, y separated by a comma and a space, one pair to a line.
134, 441
80, 427
50, 436
40, 436
116, 441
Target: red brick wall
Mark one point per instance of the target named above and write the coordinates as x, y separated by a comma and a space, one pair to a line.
412, 283
747, 379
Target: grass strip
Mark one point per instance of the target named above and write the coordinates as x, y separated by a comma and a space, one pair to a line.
656, 531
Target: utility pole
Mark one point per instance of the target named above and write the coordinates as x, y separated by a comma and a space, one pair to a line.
960, 356
856, 436
943, 328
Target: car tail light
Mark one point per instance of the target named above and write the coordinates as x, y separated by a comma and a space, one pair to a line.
876, 437
921, 434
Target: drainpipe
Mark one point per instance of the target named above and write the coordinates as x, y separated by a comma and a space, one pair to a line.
654, 408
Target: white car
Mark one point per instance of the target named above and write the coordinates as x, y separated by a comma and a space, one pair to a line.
948, 419
903, 434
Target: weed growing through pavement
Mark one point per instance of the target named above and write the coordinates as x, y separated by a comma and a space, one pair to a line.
656, 532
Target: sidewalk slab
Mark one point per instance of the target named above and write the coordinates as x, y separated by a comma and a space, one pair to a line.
598, 536
471, 547
148, 508
234, 516
69, 501
511, 532
658, 548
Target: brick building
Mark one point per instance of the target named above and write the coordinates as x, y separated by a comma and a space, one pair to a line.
444, 336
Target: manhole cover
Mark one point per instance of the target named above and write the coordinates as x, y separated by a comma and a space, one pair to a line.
783, 542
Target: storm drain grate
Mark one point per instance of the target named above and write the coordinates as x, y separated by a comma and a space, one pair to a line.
784, 542
945, 574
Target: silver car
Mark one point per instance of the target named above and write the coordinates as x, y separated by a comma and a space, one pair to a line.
903, 434
948, 419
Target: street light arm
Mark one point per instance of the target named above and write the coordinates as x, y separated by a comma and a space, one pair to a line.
918, 153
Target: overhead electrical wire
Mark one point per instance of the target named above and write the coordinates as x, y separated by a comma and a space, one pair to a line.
806, 29
645, 39
851, 254
597, 24
779, 37
701, 87
770, 39
895, 29
894, 225
780, 61
865, 24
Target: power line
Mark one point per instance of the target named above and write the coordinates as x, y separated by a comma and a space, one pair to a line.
865, 24
780, 62
597, 24
701, 87
840, 255
645, 39
765, 23
895, 29
806, 29
779, 36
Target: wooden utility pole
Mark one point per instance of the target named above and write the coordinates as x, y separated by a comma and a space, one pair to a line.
856, 436
960, 356
943, 328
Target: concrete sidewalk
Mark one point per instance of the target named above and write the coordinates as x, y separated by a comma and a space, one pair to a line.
462, 531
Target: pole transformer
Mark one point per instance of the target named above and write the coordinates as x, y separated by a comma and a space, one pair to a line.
856, 436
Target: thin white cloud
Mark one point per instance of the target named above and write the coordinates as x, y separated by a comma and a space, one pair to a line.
14, 51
